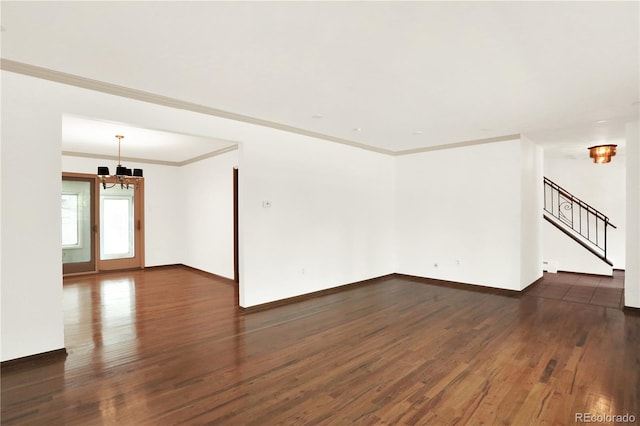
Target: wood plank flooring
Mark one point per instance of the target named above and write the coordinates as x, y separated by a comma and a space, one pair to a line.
168, 347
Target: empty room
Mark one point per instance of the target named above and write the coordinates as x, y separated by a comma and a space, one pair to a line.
257, 213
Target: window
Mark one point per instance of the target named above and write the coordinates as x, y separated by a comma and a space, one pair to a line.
70, 229
117, 222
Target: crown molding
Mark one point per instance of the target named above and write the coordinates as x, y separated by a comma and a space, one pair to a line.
458, 144
115, 158
148, 161
208, 155
139, 95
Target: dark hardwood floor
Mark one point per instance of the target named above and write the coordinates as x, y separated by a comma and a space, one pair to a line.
168, 347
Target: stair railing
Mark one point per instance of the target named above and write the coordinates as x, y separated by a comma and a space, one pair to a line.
585, 221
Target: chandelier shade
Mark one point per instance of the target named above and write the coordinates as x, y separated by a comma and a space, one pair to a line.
602, 154
124, 176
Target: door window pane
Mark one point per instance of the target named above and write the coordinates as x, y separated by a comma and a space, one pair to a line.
69, 220
116, 223
76, 221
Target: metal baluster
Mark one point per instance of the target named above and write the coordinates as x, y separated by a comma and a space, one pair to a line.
554, 193
580, 219
605, 238
588, 226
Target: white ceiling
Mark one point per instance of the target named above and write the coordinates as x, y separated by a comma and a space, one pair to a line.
97, 137
407, 74
572, 142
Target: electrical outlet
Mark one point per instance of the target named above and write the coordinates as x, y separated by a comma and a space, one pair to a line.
435, 265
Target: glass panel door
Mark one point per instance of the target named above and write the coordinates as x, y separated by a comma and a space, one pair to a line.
116, 211
78, 223
120, 227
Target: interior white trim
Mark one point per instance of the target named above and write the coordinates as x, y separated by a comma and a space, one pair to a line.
208, 155
147, 161
459, 144
115, 158
126, 92
155, 129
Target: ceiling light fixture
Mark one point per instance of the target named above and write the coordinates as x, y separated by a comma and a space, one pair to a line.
602, 153
124, 176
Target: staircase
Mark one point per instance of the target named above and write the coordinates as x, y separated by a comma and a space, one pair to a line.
577, 219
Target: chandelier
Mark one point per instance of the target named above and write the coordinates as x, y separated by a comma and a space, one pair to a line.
602, 153
124, 176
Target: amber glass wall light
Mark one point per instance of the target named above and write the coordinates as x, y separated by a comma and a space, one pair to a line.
602, 153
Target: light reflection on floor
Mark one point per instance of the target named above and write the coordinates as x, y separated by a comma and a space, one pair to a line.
104, 309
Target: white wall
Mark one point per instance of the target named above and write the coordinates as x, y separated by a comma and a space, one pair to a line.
531, 202
207, 214
1, 222
188, 211
461, 209
330, 222
31, 279
31, 276
602, 186
332, 212
163, 201
332, 219
632, 273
